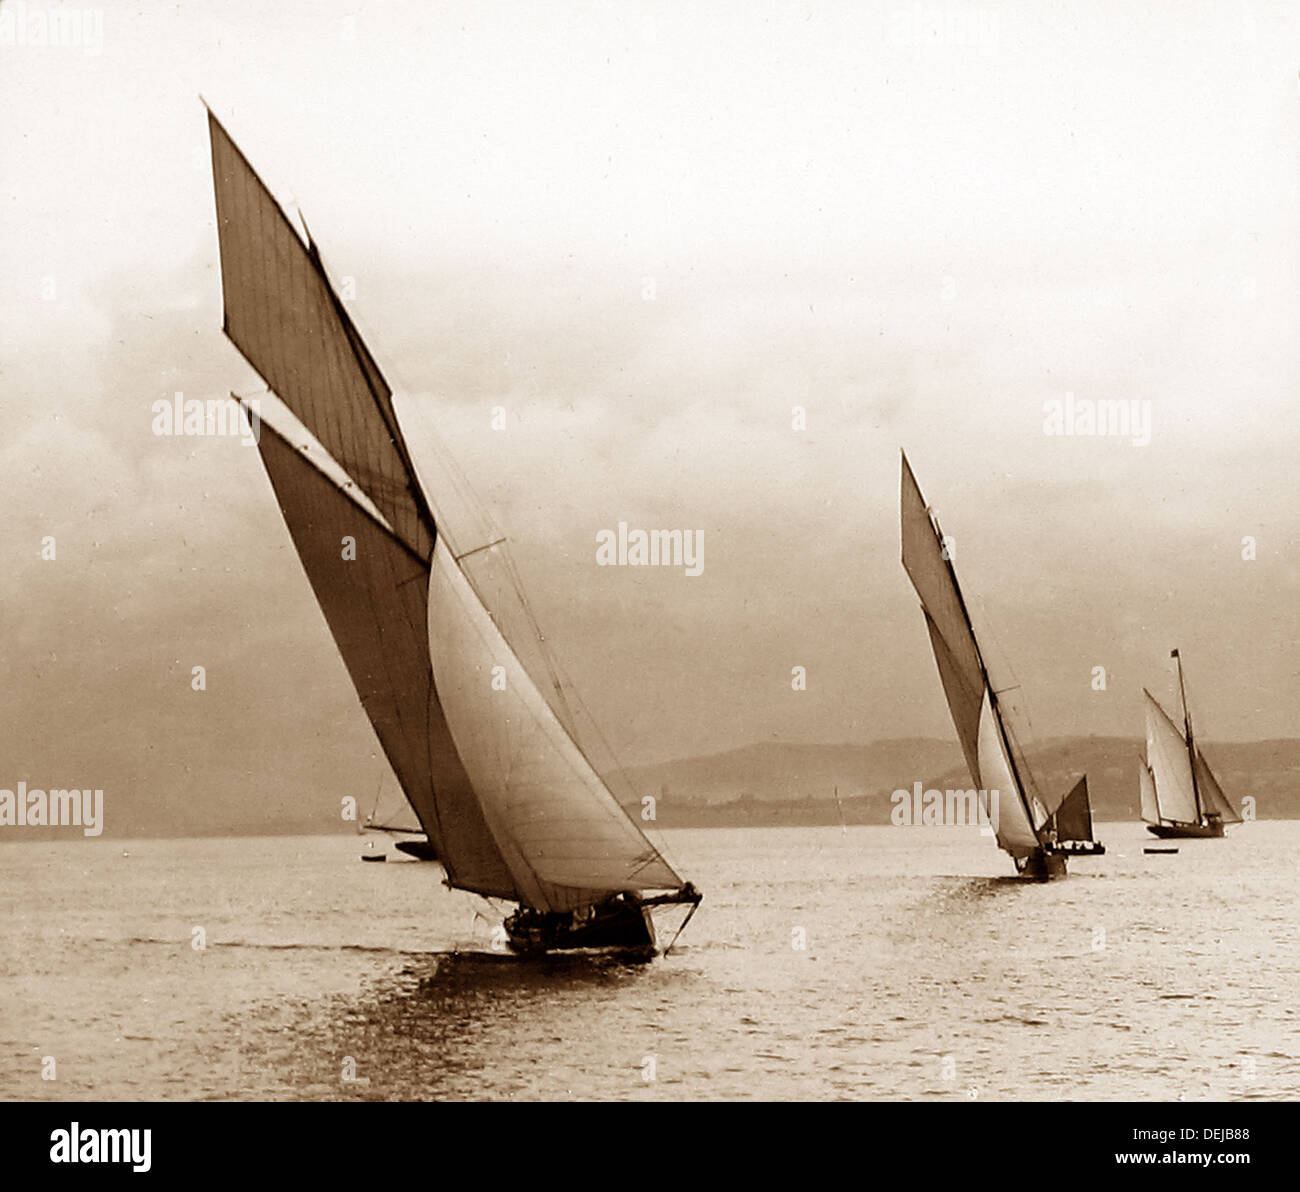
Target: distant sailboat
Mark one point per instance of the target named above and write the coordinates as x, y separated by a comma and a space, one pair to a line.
421, 849
1070, 825
1180, 795
1038, 840
505, 795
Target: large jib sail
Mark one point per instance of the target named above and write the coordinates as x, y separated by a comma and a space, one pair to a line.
971, 698
562, 832
1211, 792
507, 798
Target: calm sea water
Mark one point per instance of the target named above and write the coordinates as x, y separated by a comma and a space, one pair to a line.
925, 972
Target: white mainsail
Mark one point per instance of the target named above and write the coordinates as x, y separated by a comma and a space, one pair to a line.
564, 836
1007, 811
1171, 768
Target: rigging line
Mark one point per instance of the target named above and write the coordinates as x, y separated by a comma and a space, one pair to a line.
485, 546
549, 658
1020, 710
486, 525
617, 810
618, 770
462, 491
559, 681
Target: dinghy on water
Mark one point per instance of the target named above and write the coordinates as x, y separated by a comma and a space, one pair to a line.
1181, 798
1037, 839
505, 795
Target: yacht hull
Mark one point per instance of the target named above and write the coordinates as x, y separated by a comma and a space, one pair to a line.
619, 924
421, 850
1186, 831
1042, 867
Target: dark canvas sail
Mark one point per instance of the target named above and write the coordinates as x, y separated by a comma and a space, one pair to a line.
963, 701
281, 313
1074, 816
376, 608
931, 576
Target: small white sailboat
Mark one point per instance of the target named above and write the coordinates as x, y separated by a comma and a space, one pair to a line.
506, 797
1181, 798
1038, 838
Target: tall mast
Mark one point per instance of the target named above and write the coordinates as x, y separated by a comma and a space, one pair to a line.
1187, 726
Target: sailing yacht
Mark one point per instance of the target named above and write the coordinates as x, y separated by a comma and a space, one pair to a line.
1038, 839
506, 797
1180, 795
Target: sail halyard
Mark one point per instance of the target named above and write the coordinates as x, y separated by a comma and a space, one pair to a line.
958, 613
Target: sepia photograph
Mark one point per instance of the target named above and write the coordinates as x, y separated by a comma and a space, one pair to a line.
633, 551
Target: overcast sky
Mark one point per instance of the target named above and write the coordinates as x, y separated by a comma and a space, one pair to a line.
648, 232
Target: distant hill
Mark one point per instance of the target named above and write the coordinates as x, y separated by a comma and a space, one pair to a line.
772, 783
775, 783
